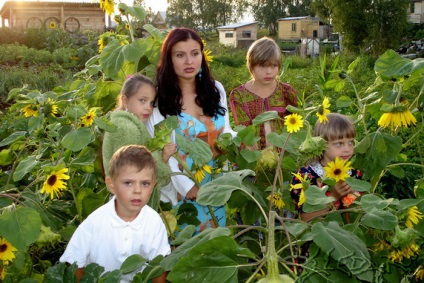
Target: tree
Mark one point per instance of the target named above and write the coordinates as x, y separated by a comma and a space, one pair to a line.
204, 14
366, 25
267, 12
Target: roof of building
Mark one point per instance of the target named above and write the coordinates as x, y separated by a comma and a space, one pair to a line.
12, 3
298, 18
237, 25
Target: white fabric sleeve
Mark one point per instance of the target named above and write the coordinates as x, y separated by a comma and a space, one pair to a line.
227, 127
78, 247
179, 183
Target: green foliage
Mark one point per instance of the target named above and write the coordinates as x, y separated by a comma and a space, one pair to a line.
368, 26
45, 131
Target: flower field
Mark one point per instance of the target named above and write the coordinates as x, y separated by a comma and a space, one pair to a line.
51, 178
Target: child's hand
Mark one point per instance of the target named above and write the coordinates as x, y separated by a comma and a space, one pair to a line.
192, 193
168, 150
340, 190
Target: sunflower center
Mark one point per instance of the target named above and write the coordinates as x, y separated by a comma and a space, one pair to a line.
337, 171
293, 121
52, 180
3, 248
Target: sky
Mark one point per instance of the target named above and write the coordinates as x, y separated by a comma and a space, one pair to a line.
156, 5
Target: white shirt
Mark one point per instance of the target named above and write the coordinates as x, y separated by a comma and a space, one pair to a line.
104, 238
180, 183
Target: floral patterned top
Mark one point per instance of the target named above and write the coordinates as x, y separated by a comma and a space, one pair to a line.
246, 106
315, 173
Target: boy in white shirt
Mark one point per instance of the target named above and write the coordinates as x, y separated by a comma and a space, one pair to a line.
125, 225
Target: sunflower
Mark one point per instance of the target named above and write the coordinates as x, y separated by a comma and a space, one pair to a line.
338, 169
323, 110
277, 201
50, 108
419, 273
398, 117
208, 56
108, 6
408, 252
414, 216
293, 122
88, 119
52, 25
117, 19
30, 110
54, 183
101, 44
6, 251
127, 26
303, 180
200, 174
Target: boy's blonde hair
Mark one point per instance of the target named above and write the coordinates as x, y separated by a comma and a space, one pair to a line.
131, 87
137, 156
264, 51
337, 127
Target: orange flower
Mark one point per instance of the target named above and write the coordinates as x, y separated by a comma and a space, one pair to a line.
348, 200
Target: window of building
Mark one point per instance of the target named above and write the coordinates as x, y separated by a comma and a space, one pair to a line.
412, 8
228, 34
293, 27
246, 34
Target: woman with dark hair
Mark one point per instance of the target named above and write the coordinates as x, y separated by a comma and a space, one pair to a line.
187, 90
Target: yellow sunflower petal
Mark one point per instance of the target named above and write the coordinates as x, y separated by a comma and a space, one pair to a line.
6, 251
54, 184
338, 169
293, 122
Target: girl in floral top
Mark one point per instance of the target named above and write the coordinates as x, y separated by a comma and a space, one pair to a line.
339, 132
263, 92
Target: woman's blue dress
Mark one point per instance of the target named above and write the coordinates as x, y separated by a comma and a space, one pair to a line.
209, 131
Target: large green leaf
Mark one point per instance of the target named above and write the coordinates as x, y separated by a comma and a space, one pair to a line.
218, 191
375, 152
112, 57
24, 167
87, 201
13, 137
169, 262
264, 117
380, 219
105, 95
85, 157
78, 139
371, 202
51, 216
345, 247
250, 155
92, 272
20, 227
135, 51
358, 185
198, 150
212, 261
392, 65
132, 263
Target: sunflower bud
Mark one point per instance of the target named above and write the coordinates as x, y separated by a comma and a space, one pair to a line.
403, 237
268, 159
47, 237
312, 147
171, 221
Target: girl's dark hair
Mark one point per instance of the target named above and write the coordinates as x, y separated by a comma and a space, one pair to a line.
169, 93
131, 87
